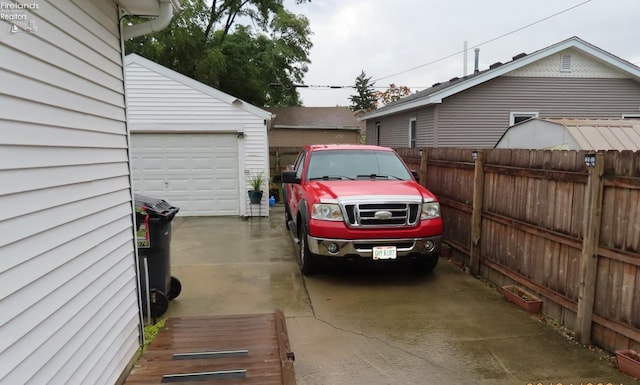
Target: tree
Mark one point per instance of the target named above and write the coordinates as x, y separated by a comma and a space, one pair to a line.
206, 43
366, 97
392, 94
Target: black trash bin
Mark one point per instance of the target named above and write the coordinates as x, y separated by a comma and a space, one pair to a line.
153, 239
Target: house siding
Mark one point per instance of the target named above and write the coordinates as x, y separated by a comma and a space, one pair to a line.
426, 127
69, 300
370, 131
581, 66
394, 130
291, 137
478, 117
158, 102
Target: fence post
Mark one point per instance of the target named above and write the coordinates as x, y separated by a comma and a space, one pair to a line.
424, 157
476, 214
590, 243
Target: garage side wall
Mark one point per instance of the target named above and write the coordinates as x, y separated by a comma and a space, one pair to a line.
162, 101
68, 297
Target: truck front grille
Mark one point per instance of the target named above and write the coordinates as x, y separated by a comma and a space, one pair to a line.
382, 214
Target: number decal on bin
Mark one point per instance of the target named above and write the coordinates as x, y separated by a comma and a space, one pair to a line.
142, 232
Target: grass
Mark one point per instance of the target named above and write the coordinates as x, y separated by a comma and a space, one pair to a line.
151, 331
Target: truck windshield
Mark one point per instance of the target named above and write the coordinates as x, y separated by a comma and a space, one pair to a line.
356, 164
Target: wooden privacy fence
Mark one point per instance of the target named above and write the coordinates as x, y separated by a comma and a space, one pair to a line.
280, 158
547, 222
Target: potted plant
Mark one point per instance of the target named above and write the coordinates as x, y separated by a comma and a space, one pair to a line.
527, 301
255, 180
629, 362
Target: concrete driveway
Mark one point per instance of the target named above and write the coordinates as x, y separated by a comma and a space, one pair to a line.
373, 324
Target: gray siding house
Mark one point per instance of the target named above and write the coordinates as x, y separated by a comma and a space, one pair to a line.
573, 134
569, 79
69, 301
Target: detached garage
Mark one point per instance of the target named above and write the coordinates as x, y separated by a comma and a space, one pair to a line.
191, 144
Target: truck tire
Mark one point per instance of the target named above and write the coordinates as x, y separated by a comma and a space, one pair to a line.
159, 303
174, 288
287, 217
308, 261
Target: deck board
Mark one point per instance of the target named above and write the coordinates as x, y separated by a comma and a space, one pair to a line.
268, 360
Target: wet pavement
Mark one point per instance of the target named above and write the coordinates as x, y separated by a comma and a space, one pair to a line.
373, 324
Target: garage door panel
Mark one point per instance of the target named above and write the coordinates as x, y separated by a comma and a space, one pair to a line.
150, 163
177, 163
196, 172
228, 206
180, 185
226, 164
221, 142
204, 205
204, 163
227, 185
151, 185
204, 185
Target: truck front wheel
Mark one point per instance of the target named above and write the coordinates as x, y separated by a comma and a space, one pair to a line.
308, 261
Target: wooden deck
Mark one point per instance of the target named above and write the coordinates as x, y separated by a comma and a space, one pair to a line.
221, 350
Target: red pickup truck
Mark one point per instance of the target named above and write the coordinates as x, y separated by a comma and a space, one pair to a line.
360, 202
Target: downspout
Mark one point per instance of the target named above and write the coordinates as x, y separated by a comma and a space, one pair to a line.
127, 32
158, 24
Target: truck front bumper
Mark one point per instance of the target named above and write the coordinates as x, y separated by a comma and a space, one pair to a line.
406, 247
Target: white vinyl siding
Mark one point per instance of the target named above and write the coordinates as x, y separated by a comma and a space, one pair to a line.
163, 101
69, 296
575, 63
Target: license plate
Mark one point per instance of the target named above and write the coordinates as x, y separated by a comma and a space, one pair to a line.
384, 252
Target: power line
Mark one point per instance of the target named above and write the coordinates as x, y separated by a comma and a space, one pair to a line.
448, 56
483, 43
317, 86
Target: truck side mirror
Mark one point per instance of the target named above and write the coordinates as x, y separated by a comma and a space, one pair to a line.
289, 177
415, 175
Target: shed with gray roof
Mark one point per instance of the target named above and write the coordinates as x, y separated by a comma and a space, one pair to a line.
573, 134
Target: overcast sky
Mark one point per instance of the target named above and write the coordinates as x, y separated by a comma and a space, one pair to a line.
384, 37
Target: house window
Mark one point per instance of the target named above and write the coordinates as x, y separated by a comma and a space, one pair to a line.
412, 132
378, 133
518, 117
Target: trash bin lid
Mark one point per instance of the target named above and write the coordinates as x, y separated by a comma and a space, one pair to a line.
155, 207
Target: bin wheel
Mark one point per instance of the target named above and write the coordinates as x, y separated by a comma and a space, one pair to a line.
159, 303
174, 289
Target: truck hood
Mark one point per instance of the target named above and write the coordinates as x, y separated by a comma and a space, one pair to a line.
345, 189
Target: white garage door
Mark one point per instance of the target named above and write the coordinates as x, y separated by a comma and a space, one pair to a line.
196, 172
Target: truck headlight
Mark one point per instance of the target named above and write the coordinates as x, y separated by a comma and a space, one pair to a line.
430, 210
326, 212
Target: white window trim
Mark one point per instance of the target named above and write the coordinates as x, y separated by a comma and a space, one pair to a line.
411, 120
513, 115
